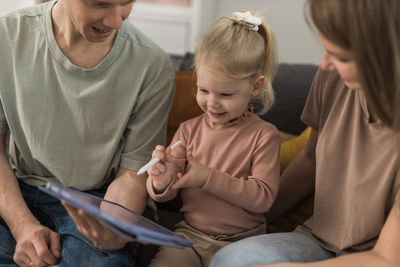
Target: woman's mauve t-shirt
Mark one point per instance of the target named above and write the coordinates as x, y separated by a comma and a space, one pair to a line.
356, 167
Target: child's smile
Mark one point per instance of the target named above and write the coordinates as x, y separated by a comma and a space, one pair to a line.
223, 99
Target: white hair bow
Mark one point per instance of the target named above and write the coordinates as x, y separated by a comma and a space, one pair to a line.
251, 21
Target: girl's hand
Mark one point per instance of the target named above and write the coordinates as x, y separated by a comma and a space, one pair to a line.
196, 176
161, 173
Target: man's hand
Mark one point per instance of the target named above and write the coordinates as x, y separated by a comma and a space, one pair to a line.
128, 189
37, 246
196, 176
96, 232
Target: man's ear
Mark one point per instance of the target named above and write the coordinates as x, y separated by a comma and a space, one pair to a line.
258, 85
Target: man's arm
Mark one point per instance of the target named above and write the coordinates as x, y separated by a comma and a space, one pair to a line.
129, 190
297, 181
35, 243
13, 209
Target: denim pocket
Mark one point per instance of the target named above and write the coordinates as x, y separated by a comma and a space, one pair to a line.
7, 244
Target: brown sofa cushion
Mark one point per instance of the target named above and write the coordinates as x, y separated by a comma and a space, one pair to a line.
184, 106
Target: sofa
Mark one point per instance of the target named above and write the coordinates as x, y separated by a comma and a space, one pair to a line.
291, 85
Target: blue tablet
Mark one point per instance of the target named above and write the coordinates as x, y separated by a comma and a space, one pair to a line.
120, 219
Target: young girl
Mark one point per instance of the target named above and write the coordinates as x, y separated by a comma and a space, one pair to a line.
227, 168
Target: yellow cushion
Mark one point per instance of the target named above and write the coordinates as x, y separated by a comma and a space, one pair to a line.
300, 213
292, 147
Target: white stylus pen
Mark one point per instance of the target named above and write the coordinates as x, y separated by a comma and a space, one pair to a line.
155, 160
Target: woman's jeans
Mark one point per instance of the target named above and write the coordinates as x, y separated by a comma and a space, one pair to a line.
270, 248
76, 250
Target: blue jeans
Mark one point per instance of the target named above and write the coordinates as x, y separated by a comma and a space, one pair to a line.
270, 248
76, 250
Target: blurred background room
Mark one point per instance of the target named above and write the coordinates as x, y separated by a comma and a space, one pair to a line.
176, 25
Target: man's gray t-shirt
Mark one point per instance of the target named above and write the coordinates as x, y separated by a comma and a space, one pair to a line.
72, 125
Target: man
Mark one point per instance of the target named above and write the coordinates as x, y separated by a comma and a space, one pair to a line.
84, 97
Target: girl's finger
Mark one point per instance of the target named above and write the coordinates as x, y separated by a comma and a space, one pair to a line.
159, 154
159, 150
153, 171
189, 155
180, 183
168, 153
160, 167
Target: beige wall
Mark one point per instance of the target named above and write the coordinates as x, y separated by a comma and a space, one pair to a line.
7, 5
178, 29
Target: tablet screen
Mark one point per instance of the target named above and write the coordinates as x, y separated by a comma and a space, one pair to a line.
119, 218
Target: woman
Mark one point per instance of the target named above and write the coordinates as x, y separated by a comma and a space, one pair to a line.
351, 156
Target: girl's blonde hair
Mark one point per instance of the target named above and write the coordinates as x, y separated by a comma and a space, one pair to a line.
370, 29
230, 48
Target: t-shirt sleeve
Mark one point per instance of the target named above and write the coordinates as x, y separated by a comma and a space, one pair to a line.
3, 121
312, 108
147, 124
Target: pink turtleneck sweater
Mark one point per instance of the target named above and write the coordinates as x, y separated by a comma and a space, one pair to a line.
243, 181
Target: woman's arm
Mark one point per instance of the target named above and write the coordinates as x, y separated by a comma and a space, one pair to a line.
297, 181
